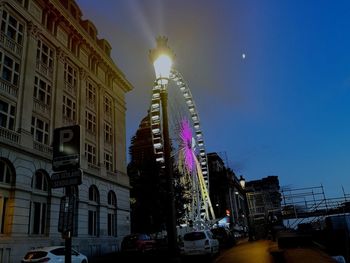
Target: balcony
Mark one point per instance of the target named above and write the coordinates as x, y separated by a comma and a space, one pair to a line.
46, 149
70, 88
44, 69
68, 121
8, 88
42, 108
11, 45
9, 136
91, 103
108, 116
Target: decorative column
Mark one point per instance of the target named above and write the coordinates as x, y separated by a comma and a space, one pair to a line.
118, 130
81, 107
26, 96
100, 129
59, 86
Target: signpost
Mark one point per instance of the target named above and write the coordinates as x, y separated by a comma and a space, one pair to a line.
66, 148
67, 173
66, 178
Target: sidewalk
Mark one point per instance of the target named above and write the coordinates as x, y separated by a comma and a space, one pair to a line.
267, 251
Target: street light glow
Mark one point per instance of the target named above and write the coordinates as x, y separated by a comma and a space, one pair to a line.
162, 59
162, 66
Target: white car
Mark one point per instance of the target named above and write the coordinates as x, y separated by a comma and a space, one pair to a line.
53, 254
200, 242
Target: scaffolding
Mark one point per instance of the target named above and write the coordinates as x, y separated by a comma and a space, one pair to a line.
310, 205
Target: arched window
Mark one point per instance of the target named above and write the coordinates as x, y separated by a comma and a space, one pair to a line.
93, 211
7, 180
112, 214
39, 209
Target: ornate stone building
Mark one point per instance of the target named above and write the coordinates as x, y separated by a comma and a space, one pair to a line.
55, 72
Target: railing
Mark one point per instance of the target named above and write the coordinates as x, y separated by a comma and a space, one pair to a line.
70, 88
9, 135
10, 44
94, 167
43, 148
108, 116
91, 103
44, 69
68, 121
8, 88
41, 107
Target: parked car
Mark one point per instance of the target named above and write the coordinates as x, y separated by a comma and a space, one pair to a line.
52, 254
201, 242
224, 235
138, 243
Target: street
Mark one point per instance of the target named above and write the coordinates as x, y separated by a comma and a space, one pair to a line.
243, 252
260, 251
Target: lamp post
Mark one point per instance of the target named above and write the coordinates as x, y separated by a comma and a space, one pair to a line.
242, 183
162, 57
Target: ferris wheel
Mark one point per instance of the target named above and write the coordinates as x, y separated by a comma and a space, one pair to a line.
187, 145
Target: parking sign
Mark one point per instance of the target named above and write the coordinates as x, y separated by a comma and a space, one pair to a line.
66, 148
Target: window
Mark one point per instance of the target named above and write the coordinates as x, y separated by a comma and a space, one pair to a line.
93, 215
91, 95
39, 205
9, 69
90, 122
3, 213
39, 218
108, 161
40, 130
70, 75
11, 28
111, 218
42, 91
41, 181
6, 178
108, 106
5, 172
7, 116
44, 54
69, 108
108, 132
90, 153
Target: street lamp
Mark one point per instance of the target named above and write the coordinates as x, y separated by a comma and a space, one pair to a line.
162, 57
242, 183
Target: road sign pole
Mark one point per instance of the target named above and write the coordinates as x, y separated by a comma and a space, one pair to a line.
68, 235
68, 250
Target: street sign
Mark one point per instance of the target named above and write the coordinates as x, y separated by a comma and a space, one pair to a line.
66, 216
66, 148
66, 178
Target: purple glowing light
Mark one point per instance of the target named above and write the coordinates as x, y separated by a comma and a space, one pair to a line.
186, 145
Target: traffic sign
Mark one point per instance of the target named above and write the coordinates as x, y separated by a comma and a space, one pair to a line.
66, 148
66, 178
66, 216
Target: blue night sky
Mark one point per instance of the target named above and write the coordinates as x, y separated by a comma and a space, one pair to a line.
282, 110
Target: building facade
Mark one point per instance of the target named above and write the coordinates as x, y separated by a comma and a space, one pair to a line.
264, 202
56, 72
226, 194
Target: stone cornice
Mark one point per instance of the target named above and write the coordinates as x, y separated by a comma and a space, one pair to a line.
92, 44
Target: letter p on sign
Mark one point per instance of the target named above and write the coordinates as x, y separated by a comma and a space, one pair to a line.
66, 148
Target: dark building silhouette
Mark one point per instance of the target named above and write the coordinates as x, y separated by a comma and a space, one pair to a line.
147, 208
148, 184
264, 202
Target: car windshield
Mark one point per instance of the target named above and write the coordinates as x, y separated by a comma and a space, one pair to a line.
35, 255
193, 236
58, 251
